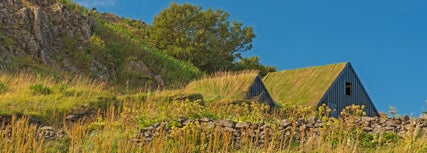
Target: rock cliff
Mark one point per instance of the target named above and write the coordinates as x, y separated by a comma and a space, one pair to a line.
36, 29
57, 38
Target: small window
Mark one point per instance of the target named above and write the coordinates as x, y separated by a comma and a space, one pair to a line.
348, 87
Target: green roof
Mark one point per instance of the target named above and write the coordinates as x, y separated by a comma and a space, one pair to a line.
233, 86
303, 86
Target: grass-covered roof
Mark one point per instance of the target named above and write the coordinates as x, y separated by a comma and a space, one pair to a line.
303, 86
228, 85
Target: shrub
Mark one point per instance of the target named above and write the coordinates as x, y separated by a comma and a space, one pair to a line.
390, 138
3, 87
368, 140
39, 89
145, 120
97, 125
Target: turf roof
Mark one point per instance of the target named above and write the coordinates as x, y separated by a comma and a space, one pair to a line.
303, 86
233, 86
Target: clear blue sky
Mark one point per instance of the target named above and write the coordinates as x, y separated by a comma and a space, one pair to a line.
385, 40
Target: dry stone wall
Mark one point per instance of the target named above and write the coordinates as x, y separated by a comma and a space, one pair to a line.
262, 132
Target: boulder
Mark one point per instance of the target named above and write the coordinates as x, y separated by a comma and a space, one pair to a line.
242, 125
227, 123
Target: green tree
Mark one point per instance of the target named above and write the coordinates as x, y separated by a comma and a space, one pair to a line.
253, 64
205, 38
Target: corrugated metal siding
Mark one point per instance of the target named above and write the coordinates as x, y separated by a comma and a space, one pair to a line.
259, 92
337, 98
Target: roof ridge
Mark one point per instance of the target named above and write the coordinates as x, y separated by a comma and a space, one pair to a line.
315, 66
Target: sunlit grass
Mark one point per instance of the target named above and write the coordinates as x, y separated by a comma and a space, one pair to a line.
304, 86
114, 127
111, 133
29, 94
224, 85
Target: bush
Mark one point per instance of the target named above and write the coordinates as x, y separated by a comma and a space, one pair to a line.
3, 87
39, 89
97, 125
390, 138
146, 120
368, 140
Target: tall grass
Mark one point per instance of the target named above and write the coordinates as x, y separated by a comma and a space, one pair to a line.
47, 99
19, 136
223, 85
115, 127
112, 134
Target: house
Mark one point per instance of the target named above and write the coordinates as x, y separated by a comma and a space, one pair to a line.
336, 85
245, 85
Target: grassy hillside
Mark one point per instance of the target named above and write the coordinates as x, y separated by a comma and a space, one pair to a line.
122, 41
118, 119
100, 103
47, 100
96, 45
123, 47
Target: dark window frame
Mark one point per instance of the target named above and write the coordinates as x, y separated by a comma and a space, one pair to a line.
348, 88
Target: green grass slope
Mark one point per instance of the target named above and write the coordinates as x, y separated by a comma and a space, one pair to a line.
123, 47
304, 86
228, 85
47, 100
123, 41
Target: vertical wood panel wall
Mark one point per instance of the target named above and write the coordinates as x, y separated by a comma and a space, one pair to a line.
337, 99
259, 92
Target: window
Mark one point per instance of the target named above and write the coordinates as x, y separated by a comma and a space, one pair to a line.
348, 87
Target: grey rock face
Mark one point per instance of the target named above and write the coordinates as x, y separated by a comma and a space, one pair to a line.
37, 28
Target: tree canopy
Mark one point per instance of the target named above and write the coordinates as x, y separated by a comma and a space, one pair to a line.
206, 38
252, 63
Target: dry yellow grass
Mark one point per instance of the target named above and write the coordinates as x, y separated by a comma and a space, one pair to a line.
115, 136
113, 128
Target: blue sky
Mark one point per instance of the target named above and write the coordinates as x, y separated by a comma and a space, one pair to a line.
385, 40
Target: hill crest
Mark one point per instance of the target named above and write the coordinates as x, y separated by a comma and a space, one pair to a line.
61, 38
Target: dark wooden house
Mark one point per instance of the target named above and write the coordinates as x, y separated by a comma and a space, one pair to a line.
336, 85
232, 86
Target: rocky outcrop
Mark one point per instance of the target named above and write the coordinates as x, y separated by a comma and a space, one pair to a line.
50, 133
38, 28
60, 37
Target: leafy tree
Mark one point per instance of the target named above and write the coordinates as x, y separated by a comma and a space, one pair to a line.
253, 64
205, 38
